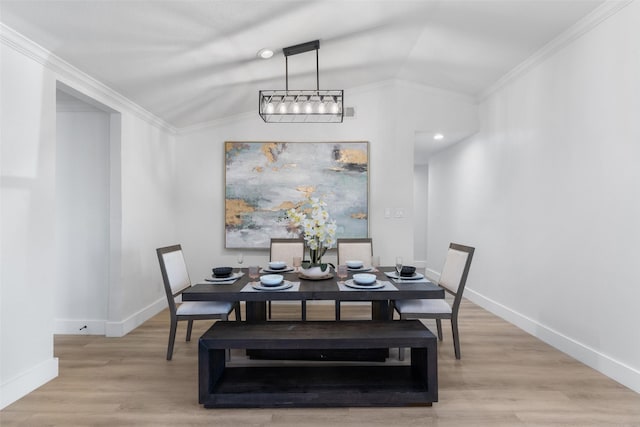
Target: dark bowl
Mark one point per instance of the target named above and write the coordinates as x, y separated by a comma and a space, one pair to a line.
407, 271
222, 271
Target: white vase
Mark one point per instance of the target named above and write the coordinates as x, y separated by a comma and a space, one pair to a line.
314, 272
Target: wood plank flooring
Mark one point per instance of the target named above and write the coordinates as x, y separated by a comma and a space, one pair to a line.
505, 378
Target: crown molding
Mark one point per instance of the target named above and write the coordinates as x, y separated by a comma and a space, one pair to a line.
589, 22
77, 79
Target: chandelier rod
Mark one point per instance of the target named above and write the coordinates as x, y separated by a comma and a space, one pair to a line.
301, 48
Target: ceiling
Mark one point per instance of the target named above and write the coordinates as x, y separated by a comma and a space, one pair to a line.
191, 62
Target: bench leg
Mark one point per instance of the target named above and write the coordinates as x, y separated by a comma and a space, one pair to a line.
211, 364
425, 362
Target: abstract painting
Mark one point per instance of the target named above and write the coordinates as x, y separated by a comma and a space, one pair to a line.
265, 179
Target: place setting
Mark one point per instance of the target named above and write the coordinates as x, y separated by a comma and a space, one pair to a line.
268, 282
357, 266
361, 281
224, 276
405, 273
277, 267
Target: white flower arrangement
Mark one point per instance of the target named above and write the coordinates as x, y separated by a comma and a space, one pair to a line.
318, 230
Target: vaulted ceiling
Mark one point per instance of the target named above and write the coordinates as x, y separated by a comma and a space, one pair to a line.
190, 62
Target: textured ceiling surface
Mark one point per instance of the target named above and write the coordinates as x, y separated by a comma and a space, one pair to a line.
191, 62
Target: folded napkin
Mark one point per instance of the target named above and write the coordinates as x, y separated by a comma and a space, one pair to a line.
388, 286
294, 288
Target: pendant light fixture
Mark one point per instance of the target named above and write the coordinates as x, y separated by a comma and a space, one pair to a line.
301, 106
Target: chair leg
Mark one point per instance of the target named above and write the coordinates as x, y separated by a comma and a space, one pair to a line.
303, 307
456, 337
268, 309
401, 353
236, 309
439, 325
189, 327
337, 310
172, 338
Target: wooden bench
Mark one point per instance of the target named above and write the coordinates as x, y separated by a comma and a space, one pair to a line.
323, 384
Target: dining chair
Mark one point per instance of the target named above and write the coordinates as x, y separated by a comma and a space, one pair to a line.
176, 280
356, 249
453, 279
282, 249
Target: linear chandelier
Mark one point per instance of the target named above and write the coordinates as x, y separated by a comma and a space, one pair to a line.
301, 106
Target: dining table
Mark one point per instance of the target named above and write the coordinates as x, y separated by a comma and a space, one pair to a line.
305, 289
331, 288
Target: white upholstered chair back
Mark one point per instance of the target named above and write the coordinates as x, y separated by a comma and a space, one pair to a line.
454, 268
176, 271
356, 250
286, 249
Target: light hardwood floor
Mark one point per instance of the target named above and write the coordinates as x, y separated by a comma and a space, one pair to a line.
505, 378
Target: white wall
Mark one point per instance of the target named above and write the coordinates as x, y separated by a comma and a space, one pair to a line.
421, 205
147, 221
548, 192
141, 210
379, 110
27, 225
82, 221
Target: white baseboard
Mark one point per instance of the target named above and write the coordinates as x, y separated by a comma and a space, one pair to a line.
122, 328
79, 327
432, 274
614, 369
25, 383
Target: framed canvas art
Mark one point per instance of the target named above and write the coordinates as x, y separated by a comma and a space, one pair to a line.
265, 179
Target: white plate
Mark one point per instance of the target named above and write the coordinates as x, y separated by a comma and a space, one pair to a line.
284, 285
233, 276
282, 270
350, 283
394, 275
359, 269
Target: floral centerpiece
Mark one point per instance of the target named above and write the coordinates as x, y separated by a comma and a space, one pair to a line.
319, 232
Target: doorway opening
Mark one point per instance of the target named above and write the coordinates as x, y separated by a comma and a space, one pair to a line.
84, 202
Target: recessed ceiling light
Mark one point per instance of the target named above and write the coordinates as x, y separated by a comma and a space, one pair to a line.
438, 136
265, 53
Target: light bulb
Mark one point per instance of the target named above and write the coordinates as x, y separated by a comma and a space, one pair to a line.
270, 108
335, 108
295, 108
438, 136
321, 108
282, 109
308, 108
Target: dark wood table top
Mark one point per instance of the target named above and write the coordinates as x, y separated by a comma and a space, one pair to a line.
312, 290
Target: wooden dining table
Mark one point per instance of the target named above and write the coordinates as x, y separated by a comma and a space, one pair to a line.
314, 290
